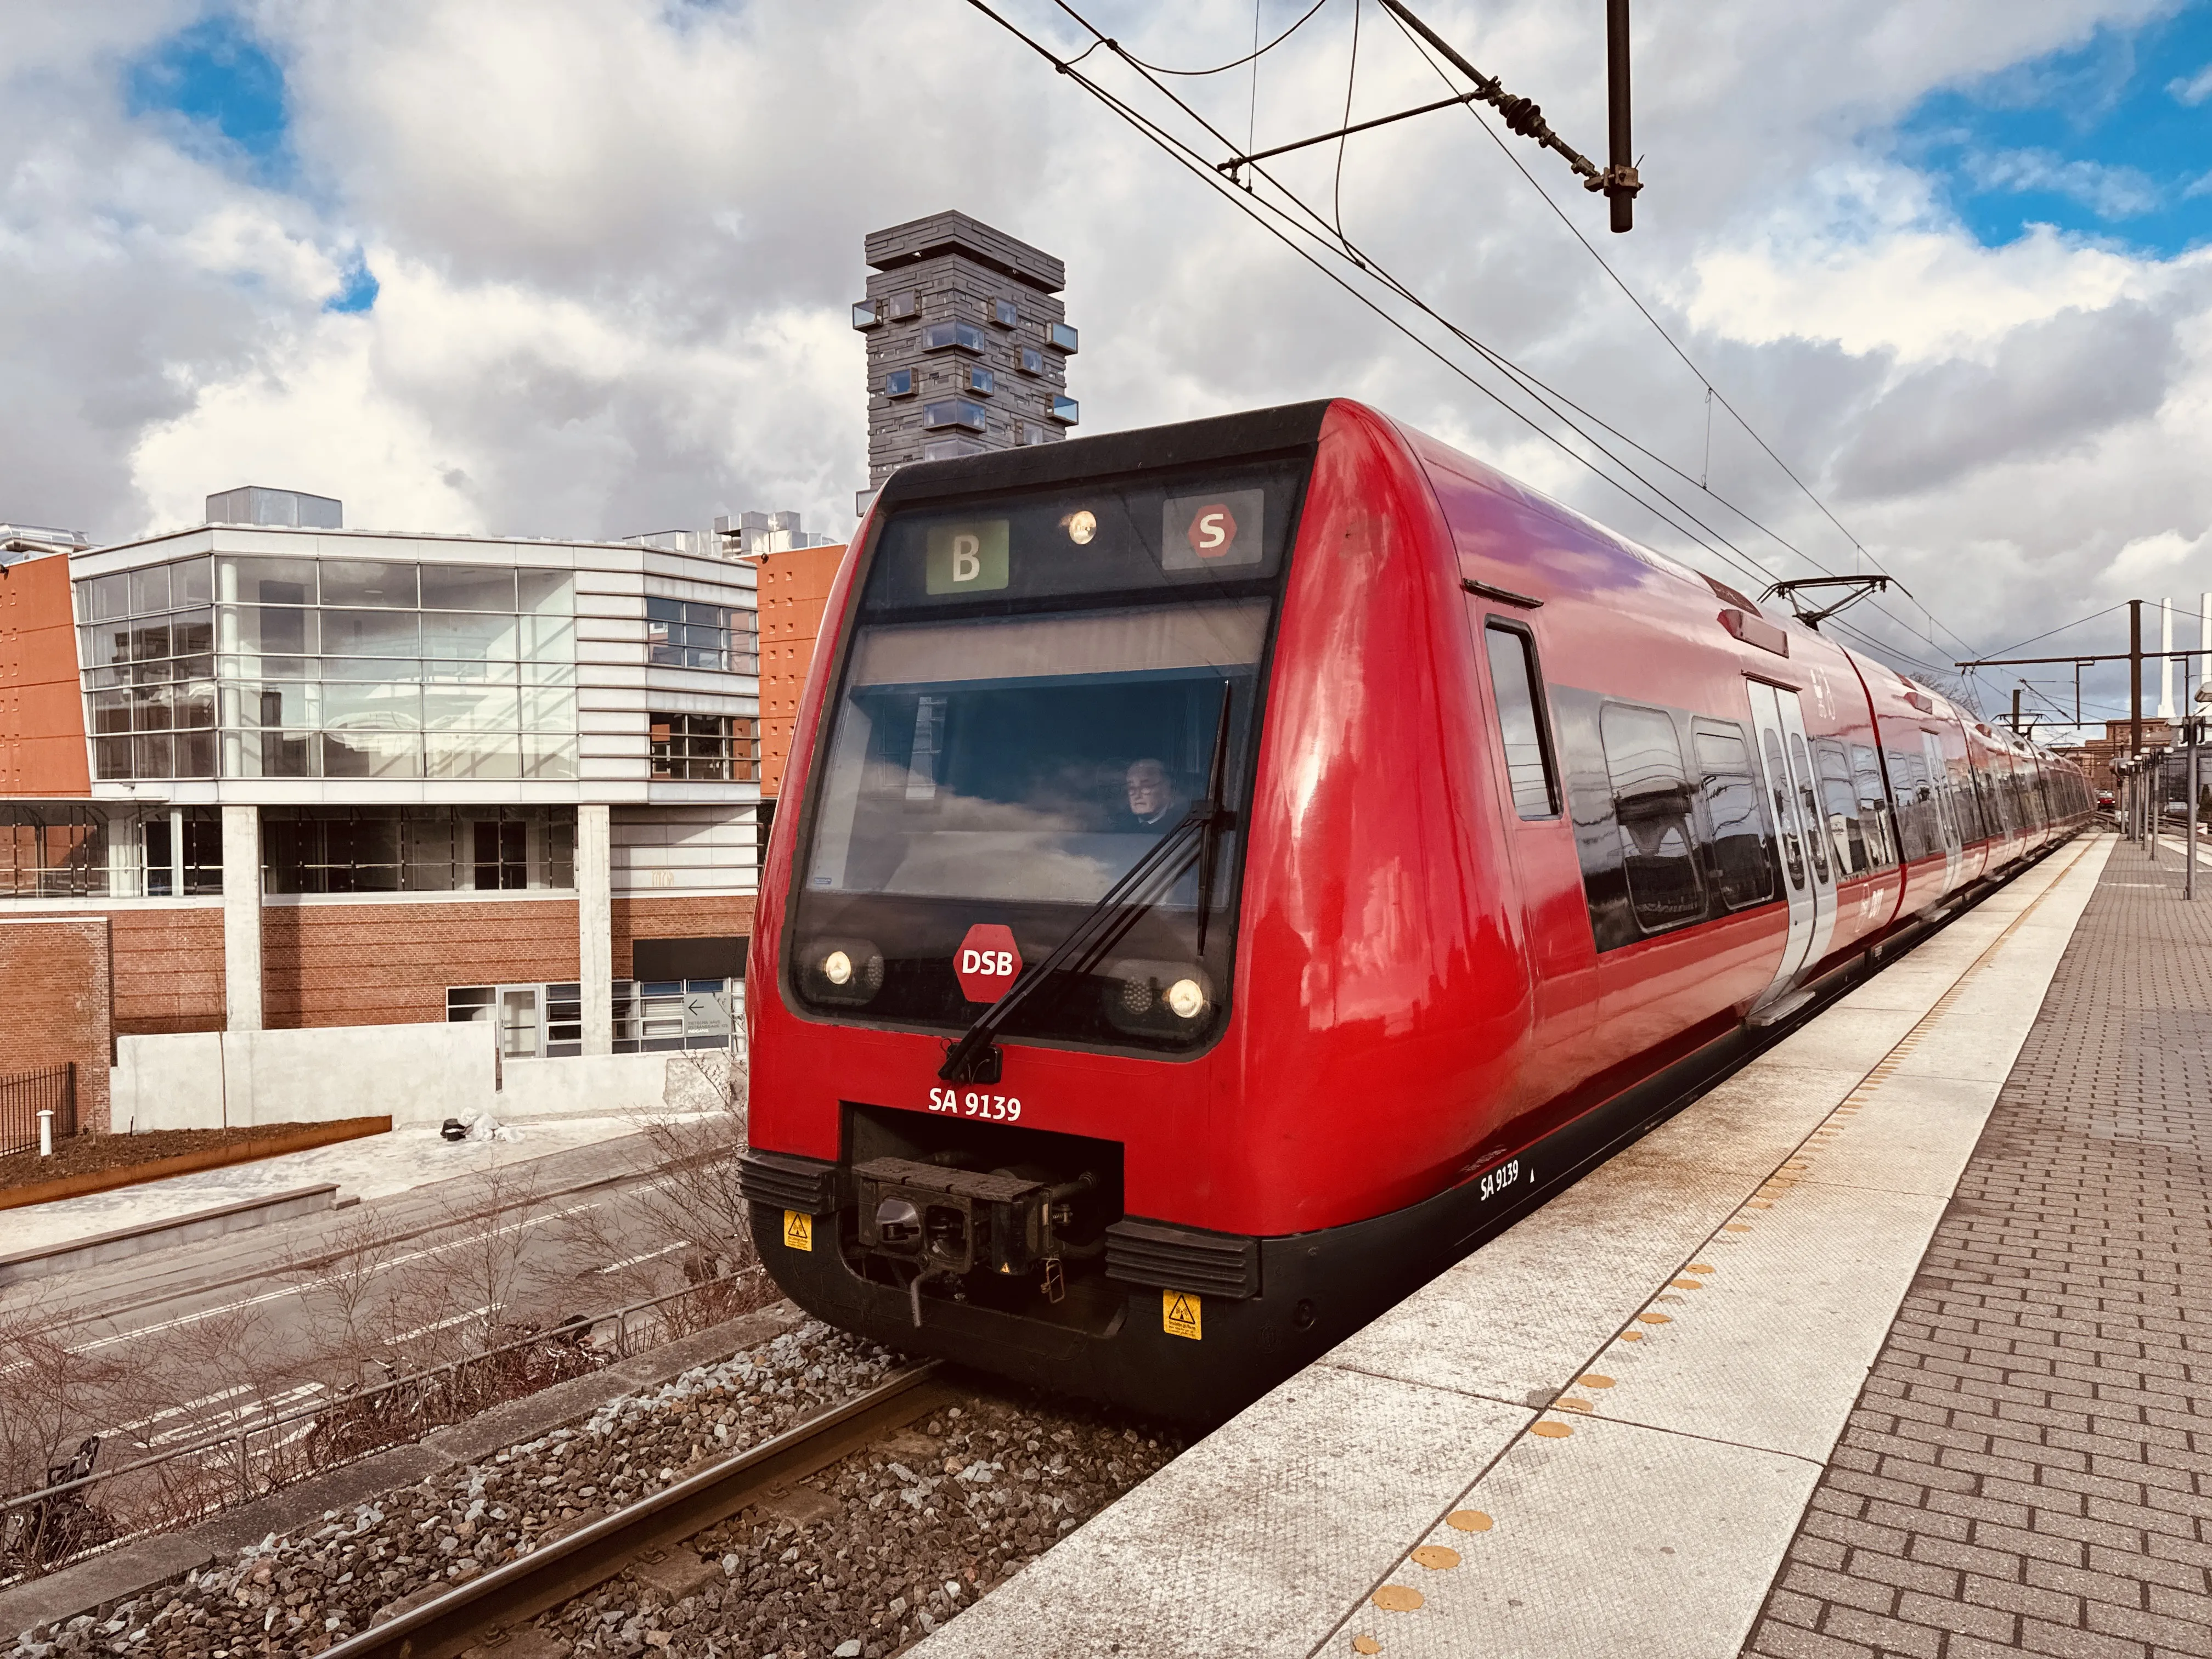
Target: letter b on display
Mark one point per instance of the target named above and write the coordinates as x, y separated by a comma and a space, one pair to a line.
966, 558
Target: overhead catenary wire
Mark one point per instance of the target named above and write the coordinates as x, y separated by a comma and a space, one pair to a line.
1257, 52
1712, 392
1293, 218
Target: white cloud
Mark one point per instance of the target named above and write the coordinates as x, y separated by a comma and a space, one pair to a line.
614, 239
2192, 89
2110, 192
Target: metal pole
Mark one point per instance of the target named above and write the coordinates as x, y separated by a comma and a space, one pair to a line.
2135, 677
1622, 147
2188, 851
2015, 711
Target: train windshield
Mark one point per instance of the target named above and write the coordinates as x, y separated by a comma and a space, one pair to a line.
1034, 696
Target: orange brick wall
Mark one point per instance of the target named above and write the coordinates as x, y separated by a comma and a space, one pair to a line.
55, 981
169, 969
42, 748
389, 964
794, 590
719, 916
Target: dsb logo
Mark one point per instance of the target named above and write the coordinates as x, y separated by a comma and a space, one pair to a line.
988, 961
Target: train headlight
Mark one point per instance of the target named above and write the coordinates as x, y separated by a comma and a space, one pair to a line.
1170, 999
845, 971
1082, 525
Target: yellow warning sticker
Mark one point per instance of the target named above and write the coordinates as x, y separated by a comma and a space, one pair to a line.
1180, 1315
798, 1231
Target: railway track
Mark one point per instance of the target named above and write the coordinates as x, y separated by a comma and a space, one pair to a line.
493, 1611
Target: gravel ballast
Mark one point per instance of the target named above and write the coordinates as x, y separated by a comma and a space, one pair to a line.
863, 1558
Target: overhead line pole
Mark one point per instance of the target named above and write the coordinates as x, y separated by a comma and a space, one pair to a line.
2135, 677
1620, 180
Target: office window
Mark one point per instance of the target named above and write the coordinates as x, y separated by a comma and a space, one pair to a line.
680, 633
864, 315
1065, 411
1032, 361
952, 412
948, 449
1061, 338
952, 337
902, 306
1742, 859
1520, 722
1652, 805
655, 1015
974, 377
899, 383
705, 748
1006, 313
417, 850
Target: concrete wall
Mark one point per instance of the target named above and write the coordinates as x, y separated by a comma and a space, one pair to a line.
414, 1073
585, 1086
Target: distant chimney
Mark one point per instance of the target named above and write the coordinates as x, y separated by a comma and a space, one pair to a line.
291, 508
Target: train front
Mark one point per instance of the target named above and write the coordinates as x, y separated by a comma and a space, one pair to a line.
1026, 755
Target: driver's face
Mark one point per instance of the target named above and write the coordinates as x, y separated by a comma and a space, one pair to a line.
1148, 788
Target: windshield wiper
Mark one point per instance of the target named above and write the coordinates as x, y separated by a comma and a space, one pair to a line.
975, 1057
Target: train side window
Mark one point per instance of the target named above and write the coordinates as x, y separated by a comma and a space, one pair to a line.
1785, 820
1840, 796
1808, 800
1875, 818
1653, 806
1521, 723
1743, 863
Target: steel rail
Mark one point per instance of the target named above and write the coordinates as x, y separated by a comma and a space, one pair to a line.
485, 1607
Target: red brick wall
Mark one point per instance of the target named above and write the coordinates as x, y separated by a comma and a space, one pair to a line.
42, 748
714, 916
169, 969
55, 983
389, 964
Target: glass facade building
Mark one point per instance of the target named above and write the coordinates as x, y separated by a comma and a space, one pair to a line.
236, 666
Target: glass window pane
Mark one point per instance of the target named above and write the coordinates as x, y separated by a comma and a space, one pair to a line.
1526, 768
1741, 857
467, 587
1652, 807
111, 758
195, 704
150, 707
470, 755
366, 754
371, 707
547, 593
474, 673
195, 753
549, 638
111, 711
549, 674
269, 754
105, 597
370, 634
149, 590
459, 633
265, 630
471, 708
149, 640
382, 669
104, 644
192, 633
549, 709
368, 582
265, 581
285, 704
152, 757
547, 756
191, 581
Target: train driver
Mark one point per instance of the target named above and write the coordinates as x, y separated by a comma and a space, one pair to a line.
1154, 801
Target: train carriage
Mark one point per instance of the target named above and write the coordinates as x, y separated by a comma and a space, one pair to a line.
1231, 869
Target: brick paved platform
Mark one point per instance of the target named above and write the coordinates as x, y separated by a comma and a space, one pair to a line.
2029, 1466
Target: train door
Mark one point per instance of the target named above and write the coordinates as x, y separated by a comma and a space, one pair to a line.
1800, 834
1947, 813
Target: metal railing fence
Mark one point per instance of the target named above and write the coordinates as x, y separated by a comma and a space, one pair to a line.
24, 1095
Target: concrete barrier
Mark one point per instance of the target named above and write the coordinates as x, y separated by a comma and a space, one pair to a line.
126, 1241
200, 1080
586, 1085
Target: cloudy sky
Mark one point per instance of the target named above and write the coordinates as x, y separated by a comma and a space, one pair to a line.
581, 267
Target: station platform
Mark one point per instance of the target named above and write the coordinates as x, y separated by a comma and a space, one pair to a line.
1896, 1341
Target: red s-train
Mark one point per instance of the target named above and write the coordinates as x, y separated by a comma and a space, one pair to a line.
1228, 871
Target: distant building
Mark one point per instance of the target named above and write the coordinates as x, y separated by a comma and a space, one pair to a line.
968, 346
28, 540
302, 780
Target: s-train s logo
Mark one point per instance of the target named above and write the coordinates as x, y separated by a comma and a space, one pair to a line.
1205, 532
988, 961
1213, 531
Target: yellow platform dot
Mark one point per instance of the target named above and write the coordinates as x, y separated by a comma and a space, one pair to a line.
1734, 1227
1365, 1645
1632, 1336
1596, 1380
1569, 1403
1551, 1431
1759, 1204
1435, 1557
1685, 1283
1398, 1598
1701, 1266
1468, 1520
1649, 1317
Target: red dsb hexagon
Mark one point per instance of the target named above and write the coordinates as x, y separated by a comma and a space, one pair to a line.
1213, 532
988, 961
